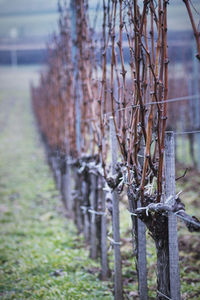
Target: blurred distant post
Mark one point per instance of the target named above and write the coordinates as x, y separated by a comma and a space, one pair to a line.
191, 118
73, 11
197, 104
13, 53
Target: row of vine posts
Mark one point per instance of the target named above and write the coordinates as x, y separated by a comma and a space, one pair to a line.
103, 122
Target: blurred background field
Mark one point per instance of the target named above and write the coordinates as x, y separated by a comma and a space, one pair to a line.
26, 26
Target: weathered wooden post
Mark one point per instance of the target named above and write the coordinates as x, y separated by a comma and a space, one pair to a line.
141, 250
170, 188
104, 250
85, 207
67, 186
183, 137
55, 161
92, 211
63, 182
196, 90
139, 231
139, 237
141, 259
78, 200
118, 290
77, 88
77, 96
191, 123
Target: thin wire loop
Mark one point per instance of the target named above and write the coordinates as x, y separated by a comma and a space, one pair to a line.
84, 209
100, 213
113, 242
161, 294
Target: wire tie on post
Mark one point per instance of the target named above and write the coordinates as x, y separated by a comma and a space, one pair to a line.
132, 214
161, 294
113, 242
99, 213
84, 209
180, 210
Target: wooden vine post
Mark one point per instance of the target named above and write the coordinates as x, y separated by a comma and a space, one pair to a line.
86, 194
76, 76
104, 250
93, 223
77, 198
118, 290
141, 251
139, 240
56, 169
77, 96
64, 189
139, 245
68, 187
141, 259
196, 91
170, 188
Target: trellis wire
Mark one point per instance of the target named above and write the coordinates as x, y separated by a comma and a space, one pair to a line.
187, 220
185, 98
187, 132
175, 213
134, 214
162, 102
161, 294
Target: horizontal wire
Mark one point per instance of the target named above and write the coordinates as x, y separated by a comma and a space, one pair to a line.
187, 132
174, 213
192, 97
161, 294
186, 219
184, 98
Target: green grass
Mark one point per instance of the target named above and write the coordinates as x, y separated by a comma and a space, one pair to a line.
41, 256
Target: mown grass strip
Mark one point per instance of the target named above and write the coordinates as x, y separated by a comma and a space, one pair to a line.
41, 256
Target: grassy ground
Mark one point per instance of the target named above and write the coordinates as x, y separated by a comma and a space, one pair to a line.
40, 254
